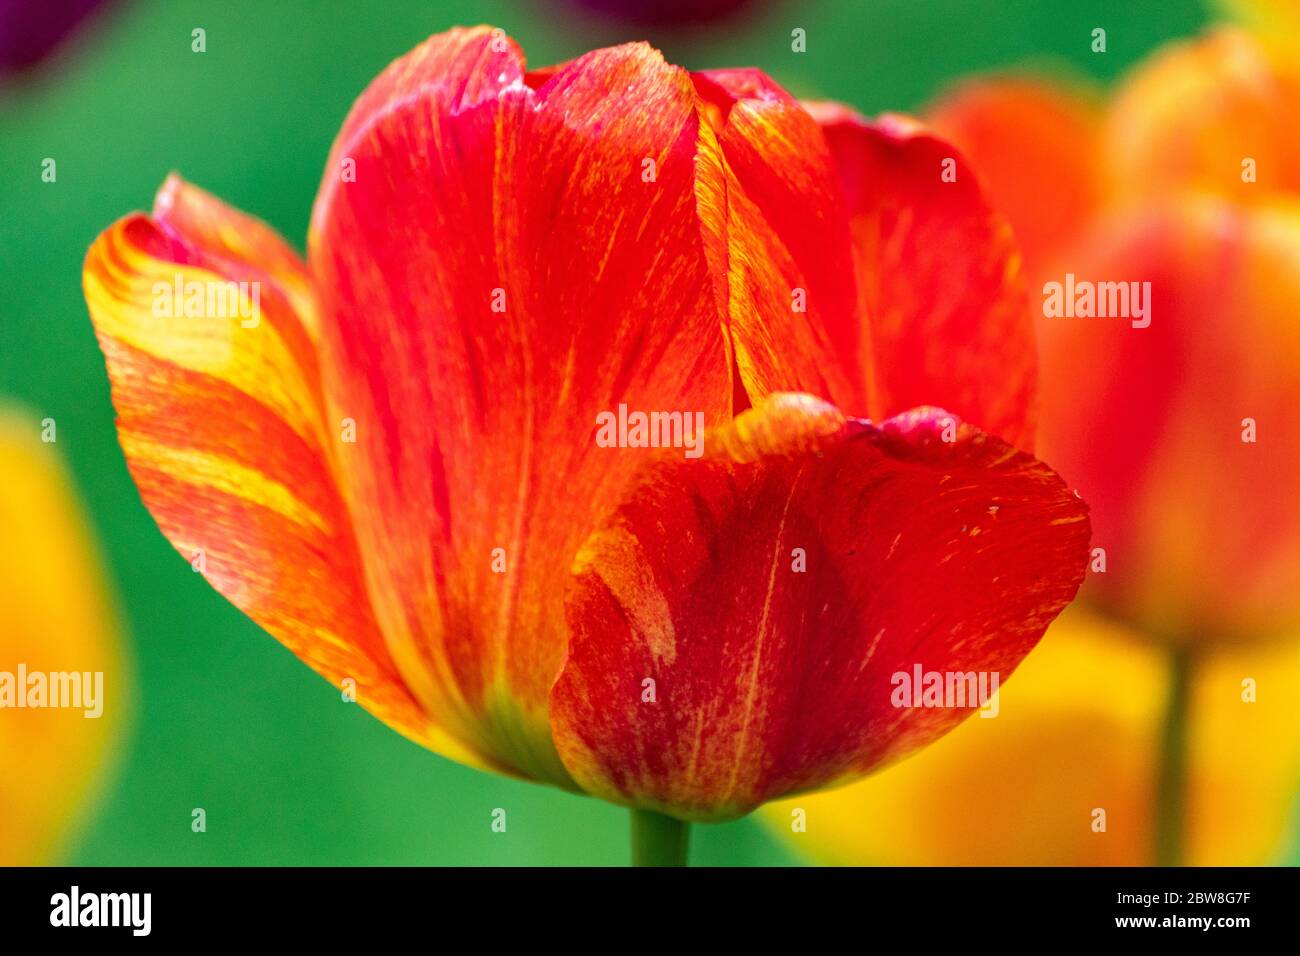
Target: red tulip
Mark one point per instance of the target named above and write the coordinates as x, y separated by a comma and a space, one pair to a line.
396, 469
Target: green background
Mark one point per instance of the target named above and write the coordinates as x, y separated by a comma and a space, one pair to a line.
225, 718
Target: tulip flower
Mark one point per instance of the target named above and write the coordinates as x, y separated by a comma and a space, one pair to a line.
1180, 436
395, 457
62, 681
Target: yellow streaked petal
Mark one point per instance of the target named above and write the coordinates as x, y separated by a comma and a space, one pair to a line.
200, 320
226, 476
208, 325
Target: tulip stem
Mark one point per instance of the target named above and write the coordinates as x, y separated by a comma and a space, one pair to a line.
1171, 782
658, 840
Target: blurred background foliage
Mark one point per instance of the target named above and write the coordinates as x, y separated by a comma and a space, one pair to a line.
225, 718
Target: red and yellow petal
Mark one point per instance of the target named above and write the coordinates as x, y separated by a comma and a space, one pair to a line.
219, 233
948, 318
853, 270
1154, 425
56, 616
219, 412
1065, 776
738, 622
516, 254
779, 242
1034, 146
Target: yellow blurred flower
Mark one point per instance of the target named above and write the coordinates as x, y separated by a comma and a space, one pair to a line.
1071, 751
1280, 18
56, 618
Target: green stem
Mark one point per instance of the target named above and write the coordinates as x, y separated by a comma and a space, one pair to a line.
1171, 782
658, 840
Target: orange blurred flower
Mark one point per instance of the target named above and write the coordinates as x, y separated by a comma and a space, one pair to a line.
390, 456
1172, 712
1179, 435
59, 643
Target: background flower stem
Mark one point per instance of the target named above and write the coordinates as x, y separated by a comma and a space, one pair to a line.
1171, 781
658, 840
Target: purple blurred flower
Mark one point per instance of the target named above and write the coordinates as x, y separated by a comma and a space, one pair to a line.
663, 12
31, 29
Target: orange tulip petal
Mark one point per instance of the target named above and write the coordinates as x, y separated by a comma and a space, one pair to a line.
1154, 425
55, 616
507, 263
219, 410
771, 589
939, 273
1035, 148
